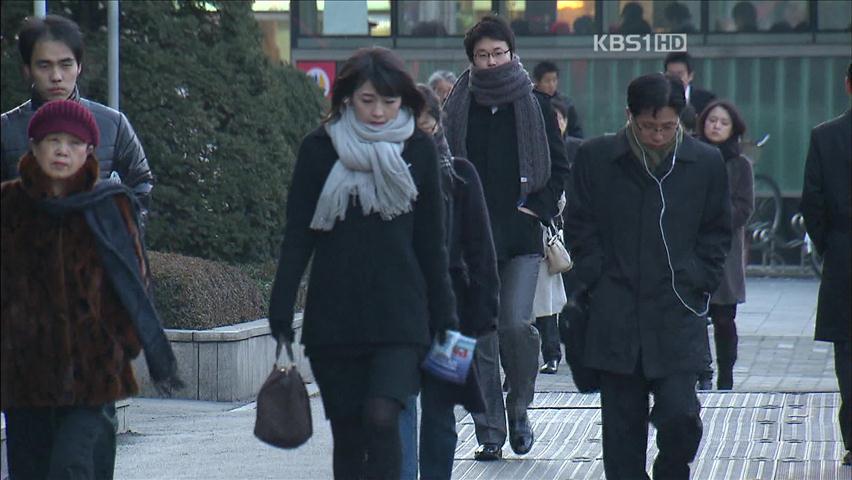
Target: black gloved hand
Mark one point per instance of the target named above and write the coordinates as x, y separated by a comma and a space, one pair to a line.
441, 332
441, 336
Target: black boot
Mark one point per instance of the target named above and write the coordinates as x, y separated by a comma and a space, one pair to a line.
726, 357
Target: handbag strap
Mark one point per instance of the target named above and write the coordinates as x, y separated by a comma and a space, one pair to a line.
552, 230
289, 348
557, 221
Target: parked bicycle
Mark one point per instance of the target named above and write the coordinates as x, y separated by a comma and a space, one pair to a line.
764, 225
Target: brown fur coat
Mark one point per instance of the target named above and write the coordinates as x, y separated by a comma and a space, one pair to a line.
66, 338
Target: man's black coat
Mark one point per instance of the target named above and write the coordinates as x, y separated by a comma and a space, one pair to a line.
826, 208
613, 229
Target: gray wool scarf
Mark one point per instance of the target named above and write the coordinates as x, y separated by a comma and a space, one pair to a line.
370, 168
505, 84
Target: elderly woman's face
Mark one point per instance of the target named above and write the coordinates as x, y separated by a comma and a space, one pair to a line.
443, 88
60, 155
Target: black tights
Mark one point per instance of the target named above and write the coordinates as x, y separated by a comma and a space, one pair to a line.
368, 447
725, 336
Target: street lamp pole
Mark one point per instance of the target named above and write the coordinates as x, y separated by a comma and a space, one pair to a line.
112, 27
40, 8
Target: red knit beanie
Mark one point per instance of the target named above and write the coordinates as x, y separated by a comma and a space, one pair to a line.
66, 116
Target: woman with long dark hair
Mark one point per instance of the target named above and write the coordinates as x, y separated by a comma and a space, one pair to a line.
721, 125
365, 202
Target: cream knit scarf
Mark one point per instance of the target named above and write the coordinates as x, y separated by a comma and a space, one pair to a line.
370, 168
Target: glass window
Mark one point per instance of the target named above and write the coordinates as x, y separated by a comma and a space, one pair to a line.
646, 16
345, 17
834, 15
437, 18
273, 18
777, 16
550, 17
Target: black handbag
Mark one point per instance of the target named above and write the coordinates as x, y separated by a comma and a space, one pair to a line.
283, 408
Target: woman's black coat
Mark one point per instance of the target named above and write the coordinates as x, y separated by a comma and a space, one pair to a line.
612, 228
826, 208
473, 269
371, 281
473, 261
732, 288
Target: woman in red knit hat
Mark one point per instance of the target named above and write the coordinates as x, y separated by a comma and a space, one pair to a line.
72, 264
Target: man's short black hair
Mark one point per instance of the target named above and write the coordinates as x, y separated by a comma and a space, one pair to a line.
543, 68
51, 27
654, 92
491, 26
678, 57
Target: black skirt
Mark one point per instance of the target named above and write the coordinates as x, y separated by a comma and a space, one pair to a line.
347, 377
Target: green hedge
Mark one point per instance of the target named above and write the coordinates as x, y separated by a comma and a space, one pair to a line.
219, 122
197, 294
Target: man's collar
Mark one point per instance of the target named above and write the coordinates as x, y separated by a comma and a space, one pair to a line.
37, 101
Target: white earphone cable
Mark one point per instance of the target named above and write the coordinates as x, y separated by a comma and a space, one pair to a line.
662, 212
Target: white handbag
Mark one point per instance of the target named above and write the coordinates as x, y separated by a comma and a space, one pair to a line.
555, 254
550, 296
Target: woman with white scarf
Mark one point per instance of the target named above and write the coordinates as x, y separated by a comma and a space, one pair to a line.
365, 203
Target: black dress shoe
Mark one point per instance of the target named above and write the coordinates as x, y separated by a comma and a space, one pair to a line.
521, 436
488, 452
550, 367
705, 384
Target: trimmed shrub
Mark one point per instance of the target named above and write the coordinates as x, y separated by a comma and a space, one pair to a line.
197, 294
264, 275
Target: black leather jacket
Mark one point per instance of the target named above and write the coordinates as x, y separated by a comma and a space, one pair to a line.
119, 154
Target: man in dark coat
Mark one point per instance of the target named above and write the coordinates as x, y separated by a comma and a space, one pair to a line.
546, 77
649, 223
52, 52
826, 209
509, 134
679, 64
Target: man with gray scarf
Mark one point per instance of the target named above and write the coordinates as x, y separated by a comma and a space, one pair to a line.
509, 133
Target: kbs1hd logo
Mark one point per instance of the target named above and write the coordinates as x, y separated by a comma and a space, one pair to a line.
657, 42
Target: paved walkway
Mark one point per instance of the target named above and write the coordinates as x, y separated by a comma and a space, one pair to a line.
746, 436
756, 432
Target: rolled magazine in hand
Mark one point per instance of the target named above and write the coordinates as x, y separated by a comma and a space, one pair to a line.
450, 360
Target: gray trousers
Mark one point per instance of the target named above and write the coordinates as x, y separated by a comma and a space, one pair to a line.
519, 344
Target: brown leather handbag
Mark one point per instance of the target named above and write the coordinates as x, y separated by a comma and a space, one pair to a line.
283, 408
